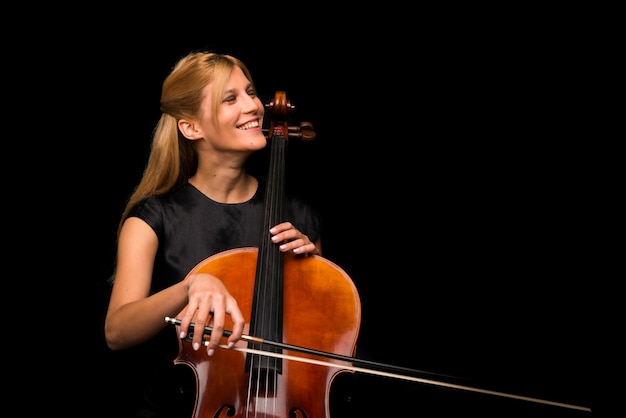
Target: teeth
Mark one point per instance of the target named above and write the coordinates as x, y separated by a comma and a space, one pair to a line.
249, 125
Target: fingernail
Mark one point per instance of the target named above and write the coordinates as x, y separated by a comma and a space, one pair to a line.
211, 352
196, 346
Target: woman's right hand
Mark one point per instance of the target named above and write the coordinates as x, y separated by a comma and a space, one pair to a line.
209, 299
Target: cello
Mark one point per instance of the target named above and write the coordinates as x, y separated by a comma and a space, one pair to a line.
301, 300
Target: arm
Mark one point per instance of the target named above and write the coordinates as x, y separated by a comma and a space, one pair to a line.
134, 316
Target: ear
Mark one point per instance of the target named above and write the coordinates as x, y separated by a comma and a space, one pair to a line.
189, 129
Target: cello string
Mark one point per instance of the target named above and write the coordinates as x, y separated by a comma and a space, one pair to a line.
272, 277
399, 376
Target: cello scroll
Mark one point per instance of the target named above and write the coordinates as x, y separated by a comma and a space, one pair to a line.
281, 108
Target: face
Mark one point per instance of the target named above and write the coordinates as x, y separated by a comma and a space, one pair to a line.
239, 117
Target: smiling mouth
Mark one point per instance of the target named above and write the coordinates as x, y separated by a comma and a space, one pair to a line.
249, 125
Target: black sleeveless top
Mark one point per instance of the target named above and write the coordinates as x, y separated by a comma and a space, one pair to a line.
191, 227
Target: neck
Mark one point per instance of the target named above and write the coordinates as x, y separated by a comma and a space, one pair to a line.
225, 187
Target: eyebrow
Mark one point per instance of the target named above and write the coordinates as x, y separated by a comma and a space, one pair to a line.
248, 86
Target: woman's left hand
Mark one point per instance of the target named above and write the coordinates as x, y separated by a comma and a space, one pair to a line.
293, 240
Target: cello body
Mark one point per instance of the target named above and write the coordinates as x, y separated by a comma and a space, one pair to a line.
321, 310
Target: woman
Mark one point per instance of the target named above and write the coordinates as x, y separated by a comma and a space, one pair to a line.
195, 199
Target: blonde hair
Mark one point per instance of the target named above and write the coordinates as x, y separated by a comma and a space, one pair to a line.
172, 158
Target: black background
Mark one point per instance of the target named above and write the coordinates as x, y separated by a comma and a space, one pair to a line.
455, 181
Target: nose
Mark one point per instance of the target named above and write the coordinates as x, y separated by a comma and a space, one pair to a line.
253, 105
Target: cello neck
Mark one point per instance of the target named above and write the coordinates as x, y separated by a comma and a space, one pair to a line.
267, 306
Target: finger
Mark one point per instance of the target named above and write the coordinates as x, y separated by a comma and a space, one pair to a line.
201, 319
305, 248
285, 232
218, 326
276, 229
284, 236
186, 316
298, 246
239, 323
